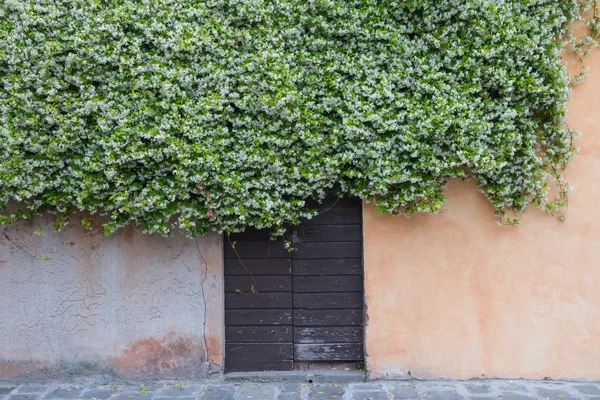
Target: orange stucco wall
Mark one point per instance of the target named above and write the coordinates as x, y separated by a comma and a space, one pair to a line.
456, 295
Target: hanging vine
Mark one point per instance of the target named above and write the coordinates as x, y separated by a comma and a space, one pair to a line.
222, 114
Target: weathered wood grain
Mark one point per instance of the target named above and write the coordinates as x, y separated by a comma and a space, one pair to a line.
340, 266
353, 317
247, 250
262, 284
258, 334
327, 250
330, 334
327, 233
258, 317
335, 216
256, 267
258, 300
328, 352
256, 235
259, 351
328, 284
258, 365
321, 301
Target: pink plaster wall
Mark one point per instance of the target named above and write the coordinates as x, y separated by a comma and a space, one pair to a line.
455, 295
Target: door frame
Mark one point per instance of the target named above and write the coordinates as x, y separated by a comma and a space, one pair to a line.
223, 352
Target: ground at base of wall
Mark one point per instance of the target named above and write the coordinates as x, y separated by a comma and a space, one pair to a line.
379, 390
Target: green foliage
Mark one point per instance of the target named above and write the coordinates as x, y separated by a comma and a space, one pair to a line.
222, 114
589, 19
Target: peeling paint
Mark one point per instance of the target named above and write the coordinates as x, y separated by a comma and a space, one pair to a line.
109, 303
18, 369
214, 349
128, 234
173, 355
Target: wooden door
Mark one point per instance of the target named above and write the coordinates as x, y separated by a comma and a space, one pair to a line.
258, 303
303, 305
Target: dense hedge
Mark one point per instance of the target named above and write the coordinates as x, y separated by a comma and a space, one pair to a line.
217, 114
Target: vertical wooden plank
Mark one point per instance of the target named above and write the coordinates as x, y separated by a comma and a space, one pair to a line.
328, 285
258, 303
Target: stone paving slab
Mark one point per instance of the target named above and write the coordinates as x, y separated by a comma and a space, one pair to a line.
377, 390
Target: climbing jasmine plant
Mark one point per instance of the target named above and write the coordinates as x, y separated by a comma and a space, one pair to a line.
221, 114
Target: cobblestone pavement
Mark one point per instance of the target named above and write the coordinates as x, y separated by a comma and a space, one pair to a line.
377, 390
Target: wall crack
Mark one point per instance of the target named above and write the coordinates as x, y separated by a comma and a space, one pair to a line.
203, 294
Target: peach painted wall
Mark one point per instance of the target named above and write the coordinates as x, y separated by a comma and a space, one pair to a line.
456, 295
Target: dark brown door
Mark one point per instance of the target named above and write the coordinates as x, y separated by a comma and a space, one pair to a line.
303, 305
